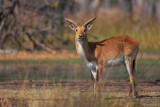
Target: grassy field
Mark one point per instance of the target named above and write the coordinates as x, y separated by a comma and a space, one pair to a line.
77, 94
66, 83
70, 69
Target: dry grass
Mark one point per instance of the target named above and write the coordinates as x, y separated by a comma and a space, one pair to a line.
60, 54
63, 96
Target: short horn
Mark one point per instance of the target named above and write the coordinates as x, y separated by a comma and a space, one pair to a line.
91, 20
71, 22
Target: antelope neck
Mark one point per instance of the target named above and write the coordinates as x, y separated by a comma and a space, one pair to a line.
83, 49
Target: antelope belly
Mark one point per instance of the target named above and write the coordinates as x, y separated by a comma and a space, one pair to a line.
115, 62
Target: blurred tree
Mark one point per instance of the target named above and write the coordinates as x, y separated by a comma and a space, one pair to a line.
108, 4
7, 21
147, 10
39, 24
126, 7
157, 9
32, 22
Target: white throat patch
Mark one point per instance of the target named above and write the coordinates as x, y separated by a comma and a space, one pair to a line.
80, 49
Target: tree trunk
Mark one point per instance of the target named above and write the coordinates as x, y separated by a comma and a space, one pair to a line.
37, 43
147, 10
108, 4
157, 10
126, 7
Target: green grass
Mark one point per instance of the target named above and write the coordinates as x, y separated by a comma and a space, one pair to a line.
70, 69
41, 61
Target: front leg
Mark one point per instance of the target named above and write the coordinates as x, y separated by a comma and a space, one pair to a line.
94, 78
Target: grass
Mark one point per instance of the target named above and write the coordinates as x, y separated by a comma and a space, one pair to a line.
61, 98
41, 61
70, 69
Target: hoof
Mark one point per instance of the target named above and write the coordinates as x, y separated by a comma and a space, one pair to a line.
133, 94
131, 98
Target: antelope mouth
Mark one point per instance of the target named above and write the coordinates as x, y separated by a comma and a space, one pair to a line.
79, 39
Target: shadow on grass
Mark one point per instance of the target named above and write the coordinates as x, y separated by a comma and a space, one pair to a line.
147, 96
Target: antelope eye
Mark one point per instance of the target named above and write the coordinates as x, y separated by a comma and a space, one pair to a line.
85, 30
76, 30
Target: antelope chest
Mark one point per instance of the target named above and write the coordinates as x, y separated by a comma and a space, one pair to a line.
90, 64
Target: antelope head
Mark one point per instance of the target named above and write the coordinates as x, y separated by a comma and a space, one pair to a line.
81, 30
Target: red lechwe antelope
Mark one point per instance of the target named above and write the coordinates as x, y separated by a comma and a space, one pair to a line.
111, 52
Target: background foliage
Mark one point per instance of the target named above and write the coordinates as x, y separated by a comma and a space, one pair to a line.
39, 24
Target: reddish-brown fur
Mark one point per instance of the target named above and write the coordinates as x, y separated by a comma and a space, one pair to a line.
109, 49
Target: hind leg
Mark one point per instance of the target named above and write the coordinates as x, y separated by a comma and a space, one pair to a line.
131, 72
135, 75
99, 73
99, 77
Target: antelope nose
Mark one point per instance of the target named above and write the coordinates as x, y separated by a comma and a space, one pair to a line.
80, 36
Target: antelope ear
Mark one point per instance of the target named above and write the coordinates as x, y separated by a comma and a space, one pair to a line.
89, 26
72, 27
89, 23
71, 24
